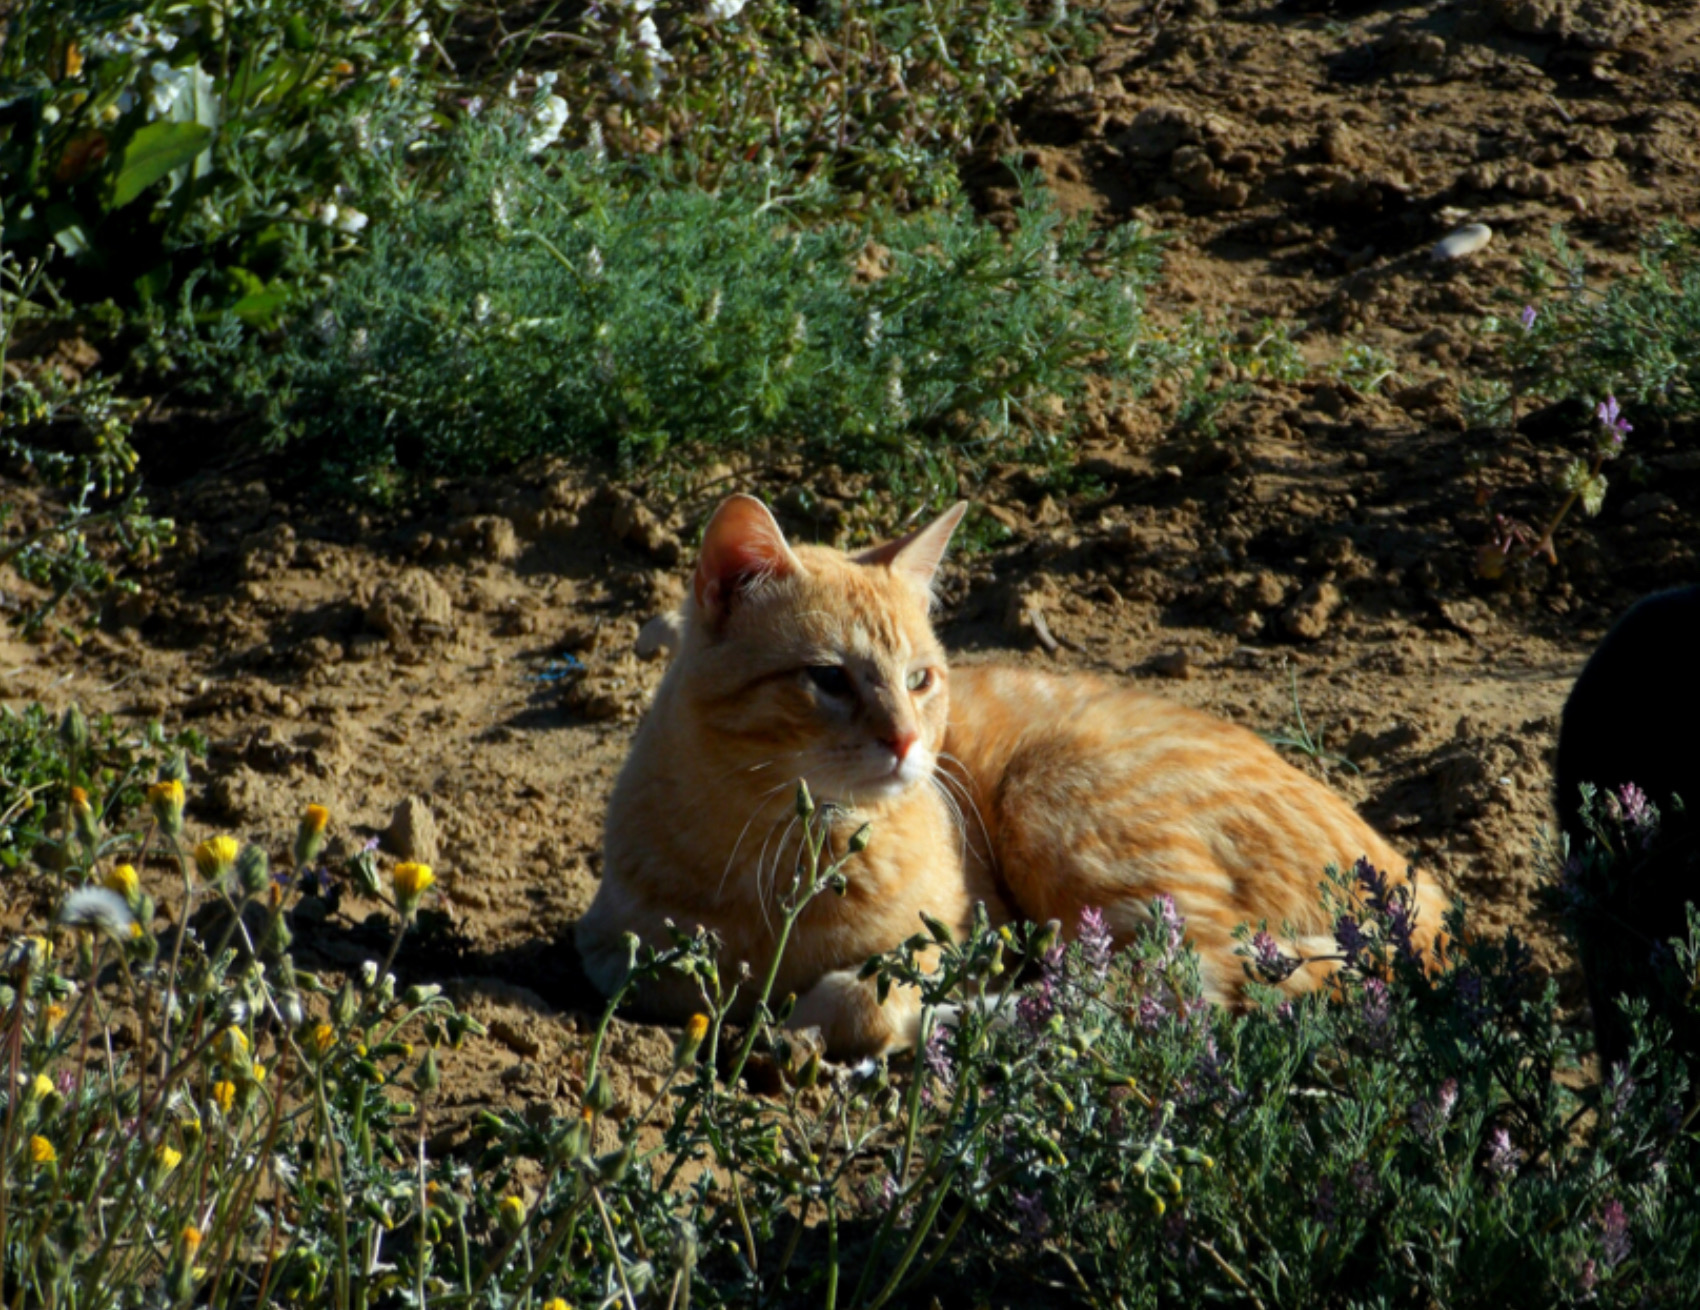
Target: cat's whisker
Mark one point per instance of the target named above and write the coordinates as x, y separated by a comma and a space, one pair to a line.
960, 823
963, 789
763, 896
760, 800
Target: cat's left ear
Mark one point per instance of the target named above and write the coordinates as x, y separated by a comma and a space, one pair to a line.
918, 555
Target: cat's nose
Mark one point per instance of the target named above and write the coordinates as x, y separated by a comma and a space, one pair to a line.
900, 742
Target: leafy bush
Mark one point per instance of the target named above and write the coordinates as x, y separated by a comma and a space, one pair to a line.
155, 142
882, 99
618, 315
73, 435
1405, 1136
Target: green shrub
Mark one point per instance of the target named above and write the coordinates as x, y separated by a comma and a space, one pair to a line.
1414, 1135
155, 143
618, 315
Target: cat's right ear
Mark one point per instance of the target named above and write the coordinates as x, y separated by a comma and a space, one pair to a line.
742, 545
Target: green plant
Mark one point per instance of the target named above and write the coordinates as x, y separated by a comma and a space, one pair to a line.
1218, 364
1298, 736
614, 314
162, 146
73, 436
881, 99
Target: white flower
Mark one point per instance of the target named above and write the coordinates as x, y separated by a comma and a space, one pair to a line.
593, 264
480, 308
723, 10
351, 220
876, 327
169, 86
547, 120
97, 907
649, 40
329, 212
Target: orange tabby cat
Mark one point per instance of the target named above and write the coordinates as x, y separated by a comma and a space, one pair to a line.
804, 662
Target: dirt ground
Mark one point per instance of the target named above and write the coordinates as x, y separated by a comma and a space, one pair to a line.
463, 683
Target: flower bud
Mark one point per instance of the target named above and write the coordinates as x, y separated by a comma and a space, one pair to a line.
124, 880
599, 1096
690, 1040
310, 836
253, 871
74, 731
216, 856
805, 802
1048, 937
83, 820
427, 1078
940, 931
410, 881
346, 1004
860, 838
511, 1214
165, 799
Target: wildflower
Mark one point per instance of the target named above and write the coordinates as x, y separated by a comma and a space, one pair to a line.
1152, 1012
82, 818
1613, 1223
215, 856
1349, 937
124, 881
42, 1086
321, 1039
1171, 928
351, 220
224, 1094
26, 954
1430, 1118
165, 798
593, 266
73, 60
169, 86
1639, 814
874, 329
548, 119
1377, 1005
42, 1152
411, 881
556, 1303
191, 1237
1271, 963
1610, 415
1527, 318
511, 1214
723, 11
1502, 1156
1033, 1011
97, 908
685, 1050
166, 1158
1031, 1221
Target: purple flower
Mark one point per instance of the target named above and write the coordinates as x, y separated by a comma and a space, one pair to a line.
1152, 1012
1269, 961
1377, 1005
1527, 317
1350, 938
1035, 1008
1502, 1156
1096, 944
1613, 1222
1609, 414
1170, 927
1323, 1206
937, 1056
1031, 1221
1429, 1118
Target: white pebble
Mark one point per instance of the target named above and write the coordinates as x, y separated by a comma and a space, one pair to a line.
1465, 241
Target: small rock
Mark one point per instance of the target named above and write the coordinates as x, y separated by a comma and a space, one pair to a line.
411, 605
412, 834
516, 1039
1465, 241
660, 636
1307, 617
1172, 663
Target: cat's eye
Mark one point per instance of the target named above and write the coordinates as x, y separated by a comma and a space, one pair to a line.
920, 679
830, 678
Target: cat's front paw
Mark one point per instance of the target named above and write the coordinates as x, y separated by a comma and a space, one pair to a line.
847, 1011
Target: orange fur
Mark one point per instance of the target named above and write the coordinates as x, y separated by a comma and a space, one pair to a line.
1059, 792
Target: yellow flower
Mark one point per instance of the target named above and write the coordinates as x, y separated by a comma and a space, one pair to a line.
124, 881
73, 60
511, 1213
166, 801
411, 881
259, 1072
55, 1013
79, 799
310, 835
215, 856
685, 1049
191, 1237
224, 1092
42, 1086
42, 1152
323, 1038
556, 1303
167, 1158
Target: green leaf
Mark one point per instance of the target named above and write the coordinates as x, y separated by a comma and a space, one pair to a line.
66, 224
259, 309
152, 153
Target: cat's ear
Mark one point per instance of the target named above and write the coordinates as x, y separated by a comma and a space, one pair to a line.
742, 545
918, 555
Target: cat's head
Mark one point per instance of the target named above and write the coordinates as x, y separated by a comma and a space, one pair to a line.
806, 662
